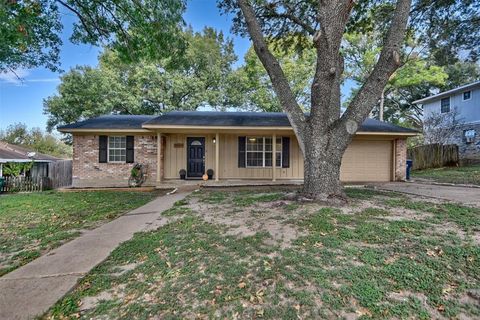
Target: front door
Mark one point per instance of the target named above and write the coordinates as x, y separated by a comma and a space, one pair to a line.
195, 157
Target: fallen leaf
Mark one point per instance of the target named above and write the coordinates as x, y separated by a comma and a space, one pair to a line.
318, 245
242, 285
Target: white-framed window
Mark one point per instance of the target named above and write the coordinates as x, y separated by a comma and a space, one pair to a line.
259, 152
117, 149
467, 95
445, 105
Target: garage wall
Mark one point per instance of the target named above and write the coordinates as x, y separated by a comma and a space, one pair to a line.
367, 161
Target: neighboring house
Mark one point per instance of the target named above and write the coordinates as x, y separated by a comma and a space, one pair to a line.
465, 101
13, 153
235, 145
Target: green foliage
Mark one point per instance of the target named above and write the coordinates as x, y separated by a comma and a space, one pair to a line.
411, 81
254, 88
200, 79
30, 30
30, 34
36, 140
17, 168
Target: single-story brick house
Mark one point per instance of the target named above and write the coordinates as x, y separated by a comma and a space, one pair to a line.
235, 145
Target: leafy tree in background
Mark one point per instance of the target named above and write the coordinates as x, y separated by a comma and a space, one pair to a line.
36, 140
30, 30
415, 77
255, 88
146, 87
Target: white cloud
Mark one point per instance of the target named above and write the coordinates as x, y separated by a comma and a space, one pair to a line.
43, 80
19, 78
15, 78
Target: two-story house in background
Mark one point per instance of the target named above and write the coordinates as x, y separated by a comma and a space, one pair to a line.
465, 102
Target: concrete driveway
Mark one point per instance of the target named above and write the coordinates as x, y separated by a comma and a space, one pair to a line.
464, 195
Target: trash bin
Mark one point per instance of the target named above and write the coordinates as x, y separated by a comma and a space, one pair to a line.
2, 183
409, 167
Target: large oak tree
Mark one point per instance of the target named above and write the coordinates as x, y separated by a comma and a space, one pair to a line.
325, 133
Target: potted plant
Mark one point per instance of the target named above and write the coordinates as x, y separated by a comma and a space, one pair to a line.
210, 174
183, 174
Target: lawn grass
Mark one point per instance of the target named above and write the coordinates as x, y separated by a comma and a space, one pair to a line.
384, 256
458, 175
32, 224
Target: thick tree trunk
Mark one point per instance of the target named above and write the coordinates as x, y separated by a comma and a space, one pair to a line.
322, 170
324, 135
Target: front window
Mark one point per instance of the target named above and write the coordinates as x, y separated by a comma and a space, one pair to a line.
445, 105
117, 149
467, 95
259, 152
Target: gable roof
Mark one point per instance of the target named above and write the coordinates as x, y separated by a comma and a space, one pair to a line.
14, 153
444, 94
210, 119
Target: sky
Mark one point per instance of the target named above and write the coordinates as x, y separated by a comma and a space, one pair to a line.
23, 101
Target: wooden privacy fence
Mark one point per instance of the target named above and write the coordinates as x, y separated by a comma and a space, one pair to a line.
433, 156
25, 184
60, 173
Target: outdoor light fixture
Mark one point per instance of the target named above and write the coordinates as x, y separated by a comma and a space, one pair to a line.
214, 140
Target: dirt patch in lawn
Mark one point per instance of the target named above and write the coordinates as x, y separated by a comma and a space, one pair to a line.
247, 221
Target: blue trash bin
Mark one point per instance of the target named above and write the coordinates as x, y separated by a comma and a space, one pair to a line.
409, 167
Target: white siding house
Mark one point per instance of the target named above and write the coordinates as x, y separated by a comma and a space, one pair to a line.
465, 102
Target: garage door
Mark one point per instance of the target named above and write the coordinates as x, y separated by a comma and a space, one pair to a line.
367, 161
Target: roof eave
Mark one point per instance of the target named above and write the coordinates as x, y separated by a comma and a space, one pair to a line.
80, 130
447, 93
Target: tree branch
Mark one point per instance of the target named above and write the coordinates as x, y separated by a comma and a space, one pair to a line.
275, 72
388, 62
288, 15
80, 16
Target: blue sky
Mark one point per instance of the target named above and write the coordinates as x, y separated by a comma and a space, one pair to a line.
22, 102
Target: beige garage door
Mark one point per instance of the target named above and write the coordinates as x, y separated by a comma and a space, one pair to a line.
367, 161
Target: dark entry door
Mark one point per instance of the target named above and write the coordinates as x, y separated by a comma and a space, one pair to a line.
195, 157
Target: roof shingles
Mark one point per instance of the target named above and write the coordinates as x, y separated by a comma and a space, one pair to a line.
211, 119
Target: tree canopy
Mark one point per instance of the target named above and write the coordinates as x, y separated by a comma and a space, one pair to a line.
200, 78
30, 30
35, 139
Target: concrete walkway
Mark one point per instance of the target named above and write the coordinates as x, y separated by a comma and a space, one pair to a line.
464, 195
32, 289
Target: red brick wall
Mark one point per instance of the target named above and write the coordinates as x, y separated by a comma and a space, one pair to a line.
400, 159
88, 172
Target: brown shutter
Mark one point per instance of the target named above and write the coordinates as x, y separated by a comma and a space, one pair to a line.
241, 152
285, 152
102, 149
130, 149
